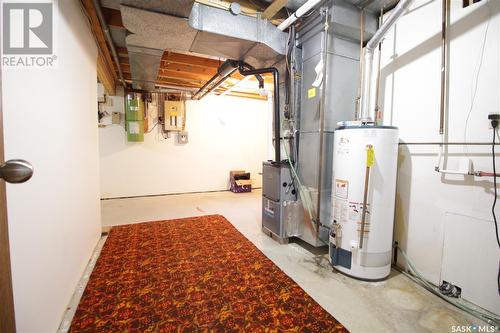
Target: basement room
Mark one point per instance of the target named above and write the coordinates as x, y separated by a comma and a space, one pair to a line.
249, 166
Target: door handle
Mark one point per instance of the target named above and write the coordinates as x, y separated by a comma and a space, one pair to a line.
16, 171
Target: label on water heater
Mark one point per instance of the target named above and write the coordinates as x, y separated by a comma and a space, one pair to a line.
370, 156
340, 210
340, 200
341, 188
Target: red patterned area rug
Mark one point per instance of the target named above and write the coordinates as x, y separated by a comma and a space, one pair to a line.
197, 274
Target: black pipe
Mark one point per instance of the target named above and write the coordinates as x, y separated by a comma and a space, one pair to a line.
277, 123
257, 76
227, 69
223, 72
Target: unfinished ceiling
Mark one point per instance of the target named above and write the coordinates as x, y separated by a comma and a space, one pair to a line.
180, 43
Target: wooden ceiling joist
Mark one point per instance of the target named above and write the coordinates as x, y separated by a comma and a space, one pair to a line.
105, 53
176, 69
113, 17
190, 60
122, 51
105, 77
183, 68
274, 8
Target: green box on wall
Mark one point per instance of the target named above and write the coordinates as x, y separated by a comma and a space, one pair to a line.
134, 107
134, 115
135, 131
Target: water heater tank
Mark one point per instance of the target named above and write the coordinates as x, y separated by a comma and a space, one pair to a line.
363, 199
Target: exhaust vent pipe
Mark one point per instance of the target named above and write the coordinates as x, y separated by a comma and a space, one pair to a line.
367, 106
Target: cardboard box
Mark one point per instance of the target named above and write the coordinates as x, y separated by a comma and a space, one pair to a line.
240, 181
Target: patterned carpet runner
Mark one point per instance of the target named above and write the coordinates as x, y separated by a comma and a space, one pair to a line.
196, 274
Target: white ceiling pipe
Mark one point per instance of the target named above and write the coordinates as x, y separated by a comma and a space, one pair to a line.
367, 105
301, 11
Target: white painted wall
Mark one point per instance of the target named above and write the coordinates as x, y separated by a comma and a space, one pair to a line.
225, 133
432, 207
54, 219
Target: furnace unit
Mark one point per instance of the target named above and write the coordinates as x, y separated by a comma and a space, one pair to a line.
278, 198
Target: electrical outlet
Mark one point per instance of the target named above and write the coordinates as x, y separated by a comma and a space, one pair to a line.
491, 117
182, 138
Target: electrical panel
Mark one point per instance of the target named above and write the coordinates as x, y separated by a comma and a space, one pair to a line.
174, 115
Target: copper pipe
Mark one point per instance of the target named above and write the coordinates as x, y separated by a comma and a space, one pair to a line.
365, 203
444, 63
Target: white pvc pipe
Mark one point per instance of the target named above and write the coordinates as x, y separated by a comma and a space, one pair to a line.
367, 107
301, 11
440, 159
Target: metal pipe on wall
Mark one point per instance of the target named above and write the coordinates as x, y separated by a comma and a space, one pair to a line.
224, 71
444, 63
377, 87
227, 69
357, 112
322, 106
277, 122
298, 13
367, 109
448, 143
107, 34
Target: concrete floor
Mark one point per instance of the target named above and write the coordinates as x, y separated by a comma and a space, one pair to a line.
394, 305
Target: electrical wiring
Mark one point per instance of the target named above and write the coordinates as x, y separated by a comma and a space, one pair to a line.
419, 279
152, 128
495, 190
495, 124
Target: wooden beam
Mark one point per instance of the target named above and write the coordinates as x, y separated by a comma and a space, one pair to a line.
113, 17
180, 81
183, 68
105, 77
123, 60
122, 51
183, 75
246, 95
88, 6
172, 83
274, 8
125, 68
190, 60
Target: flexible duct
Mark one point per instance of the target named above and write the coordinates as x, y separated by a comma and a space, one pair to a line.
367, 106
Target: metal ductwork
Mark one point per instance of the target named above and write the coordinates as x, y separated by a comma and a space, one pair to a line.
159, 25
220, 33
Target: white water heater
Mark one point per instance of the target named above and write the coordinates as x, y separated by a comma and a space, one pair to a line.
363, 200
